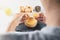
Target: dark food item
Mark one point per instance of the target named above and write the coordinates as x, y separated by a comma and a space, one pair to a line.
37, 8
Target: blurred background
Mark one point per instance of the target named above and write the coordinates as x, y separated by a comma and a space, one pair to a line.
8, 8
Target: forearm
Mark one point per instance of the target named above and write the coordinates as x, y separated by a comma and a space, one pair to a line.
14, 23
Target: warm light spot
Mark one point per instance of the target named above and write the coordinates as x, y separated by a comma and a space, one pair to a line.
8, 11
35, 15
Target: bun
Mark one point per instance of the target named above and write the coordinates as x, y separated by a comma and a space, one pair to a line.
31, 22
